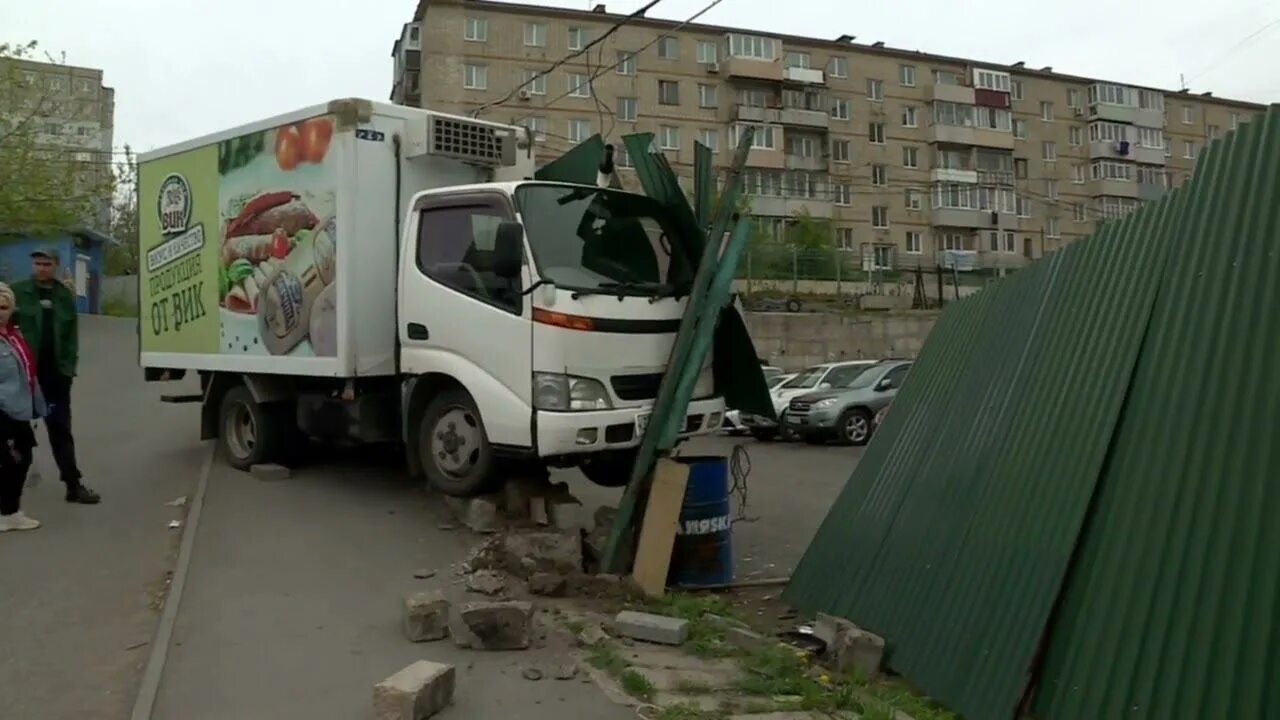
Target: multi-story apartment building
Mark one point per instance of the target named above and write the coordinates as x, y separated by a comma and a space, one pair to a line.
906, 153
73, 115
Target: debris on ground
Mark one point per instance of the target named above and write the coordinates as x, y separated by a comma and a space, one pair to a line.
178, 501
479, 514
492, 625
487, 582
598, 538
175, 524
415, 693
651, 628
567, 671
424, 574
425, 616
531, 673
547, 584
525, 553
270, 472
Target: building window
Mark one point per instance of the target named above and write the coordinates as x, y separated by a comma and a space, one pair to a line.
1108, 132
1235, 121
1078, 212
669, 48
623, 157
1051, 189
626, 63
1151, 100
796, 60
537, 125
840, 151
1188, 115
1114, 207
710, 138
800, 146
1108, 94
1075, 136
993, 240
1073, 98
953, 241
879, 175
1046, 111
1077, 174
668, 92
475, 30
1023, 206
990, 118
763, 139
475, 77
910, 157
579, 130
1020, 168
577, 38
1015, 89
707, 52
1051, 230
910, 117
669, 137
535, 35
753, 46
880, 216
915, 243
1111, 170
912, 200
991, 80
875, 133
1020, 129
1188, 149
1049, 151
844, 238
1213, 132
627, 109
907, 75
707, 96
535, 83
875, 89
954, 114
840, 109
1010, 242
842, 194
579, 85
838, 67
947, 77
1153, 175
881, 256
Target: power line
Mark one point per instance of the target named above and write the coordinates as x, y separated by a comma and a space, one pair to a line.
591, 77
1233, 49
576, 53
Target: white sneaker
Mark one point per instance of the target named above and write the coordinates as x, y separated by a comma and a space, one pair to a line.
17, 521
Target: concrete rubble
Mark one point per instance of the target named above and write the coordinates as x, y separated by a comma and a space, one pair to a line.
425, 616
849, 647
651, 628
417, 692
525, 553
480, 514
270, 472
492, 625
487, 582
547, 584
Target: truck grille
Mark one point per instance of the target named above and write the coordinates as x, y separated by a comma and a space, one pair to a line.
636, 387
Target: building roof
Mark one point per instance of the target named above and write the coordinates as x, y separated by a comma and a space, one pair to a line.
844, 41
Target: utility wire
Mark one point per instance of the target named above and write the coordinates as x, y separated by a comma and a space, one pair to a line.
576, 53
1234, 48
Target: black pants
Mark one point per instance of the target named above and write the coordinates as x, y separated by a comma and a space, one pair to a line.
57, 393
16, 441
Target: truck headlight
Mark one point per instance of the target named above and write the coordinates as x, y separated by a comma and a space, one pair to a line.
825, 403
705, 386
555, 391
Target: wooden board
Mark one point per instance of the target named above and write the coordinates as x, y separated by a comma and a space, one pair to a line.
661, 519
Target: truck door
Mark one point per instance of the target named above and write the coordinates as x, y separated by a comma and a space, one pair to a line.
459, 318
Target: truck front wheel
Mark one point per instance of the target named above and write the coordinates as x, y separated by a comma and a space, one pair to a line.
250, 433
453, 447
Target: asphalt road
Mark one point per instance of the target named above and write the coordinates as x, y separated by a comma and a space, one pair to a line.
291, 602
76, 595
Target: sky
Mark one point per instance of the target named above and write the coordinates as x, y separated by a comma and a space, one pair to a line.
182, 69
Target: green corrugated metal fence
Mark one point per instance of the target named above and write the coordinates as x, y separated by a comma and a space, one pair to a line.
956, 533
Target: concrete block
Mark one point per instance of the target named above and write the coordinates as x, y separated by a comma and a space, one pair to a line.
425, 616
745, 639
857, 649
492, 625
526, 553
480, 514
518, 491
415, 693
547, 584
828, 627
270, 472
651, 628
486, 582
566, 514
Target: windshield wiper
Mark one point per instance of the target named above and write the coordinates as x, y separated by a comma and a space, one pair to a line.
652, 290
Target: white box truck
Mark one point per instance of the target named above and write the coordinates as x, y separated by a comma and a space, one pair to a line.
358, 271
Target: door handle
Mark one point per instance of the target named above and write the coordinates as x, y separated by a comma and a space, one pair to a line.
417, 331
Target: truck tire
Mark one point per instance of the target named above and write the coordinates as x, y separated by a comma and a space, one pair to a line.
609, 469
453, 446
250, 433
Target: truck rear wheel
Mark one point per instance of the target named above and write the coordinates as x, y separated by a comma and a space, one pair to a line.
250, 433
453, 446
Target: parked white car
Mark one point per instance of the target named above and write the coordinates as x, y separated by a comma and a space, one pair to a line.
817, 377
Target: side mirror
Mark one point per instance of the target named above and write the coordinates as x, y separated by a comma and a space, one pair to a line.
508, 250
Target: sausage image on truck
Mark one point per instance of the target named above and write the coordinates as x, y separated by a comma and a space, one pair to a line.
375, 273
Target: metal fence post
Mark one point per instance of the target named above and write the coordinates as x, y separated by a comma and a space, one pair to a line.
795, 271
839, 265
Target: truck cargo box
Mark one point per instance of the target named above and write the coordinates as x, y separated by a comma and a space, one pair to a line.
272, 247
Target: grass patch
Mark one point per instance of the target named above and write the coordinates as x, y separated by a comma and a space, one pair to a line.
706, 639
575, 626
118, 308
684, 711
692, 688
636, 685
605, 657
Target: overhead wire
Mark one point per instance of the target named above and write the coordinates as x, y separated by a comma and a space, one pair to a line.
1234, 49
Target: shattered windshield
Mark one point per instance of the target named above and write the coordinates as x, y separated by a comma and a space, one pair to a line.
606, 241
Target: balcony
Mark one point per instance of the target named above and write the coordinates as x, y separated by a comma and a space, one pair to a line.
1114, 188
951, 134
1110, 150
808, 76
778, 206
800, 117
1151, 191
961, 94
1002, 178
1130, 114
962, 218
755, 114
1001, 139
752, 68
1147, 155
969, 177
801, 162
772, 159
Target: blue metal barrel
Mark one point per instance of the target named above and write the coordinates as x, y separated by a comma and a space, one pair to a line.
702, 555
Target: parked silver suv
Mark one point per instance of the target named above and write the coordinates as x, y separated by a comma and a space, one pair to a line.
846, 414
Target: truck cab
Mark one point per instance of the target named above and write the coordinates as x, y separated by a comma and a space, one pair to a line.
536, 320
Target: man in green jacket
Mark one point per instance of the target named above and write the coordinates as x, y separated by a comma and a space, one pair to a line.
47, 317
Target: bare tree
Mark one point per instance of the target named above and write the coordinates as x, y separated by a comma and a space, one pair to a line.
122, 259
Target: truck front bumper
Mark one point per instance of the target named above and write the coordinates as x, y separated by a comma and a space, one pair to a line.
577, 433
